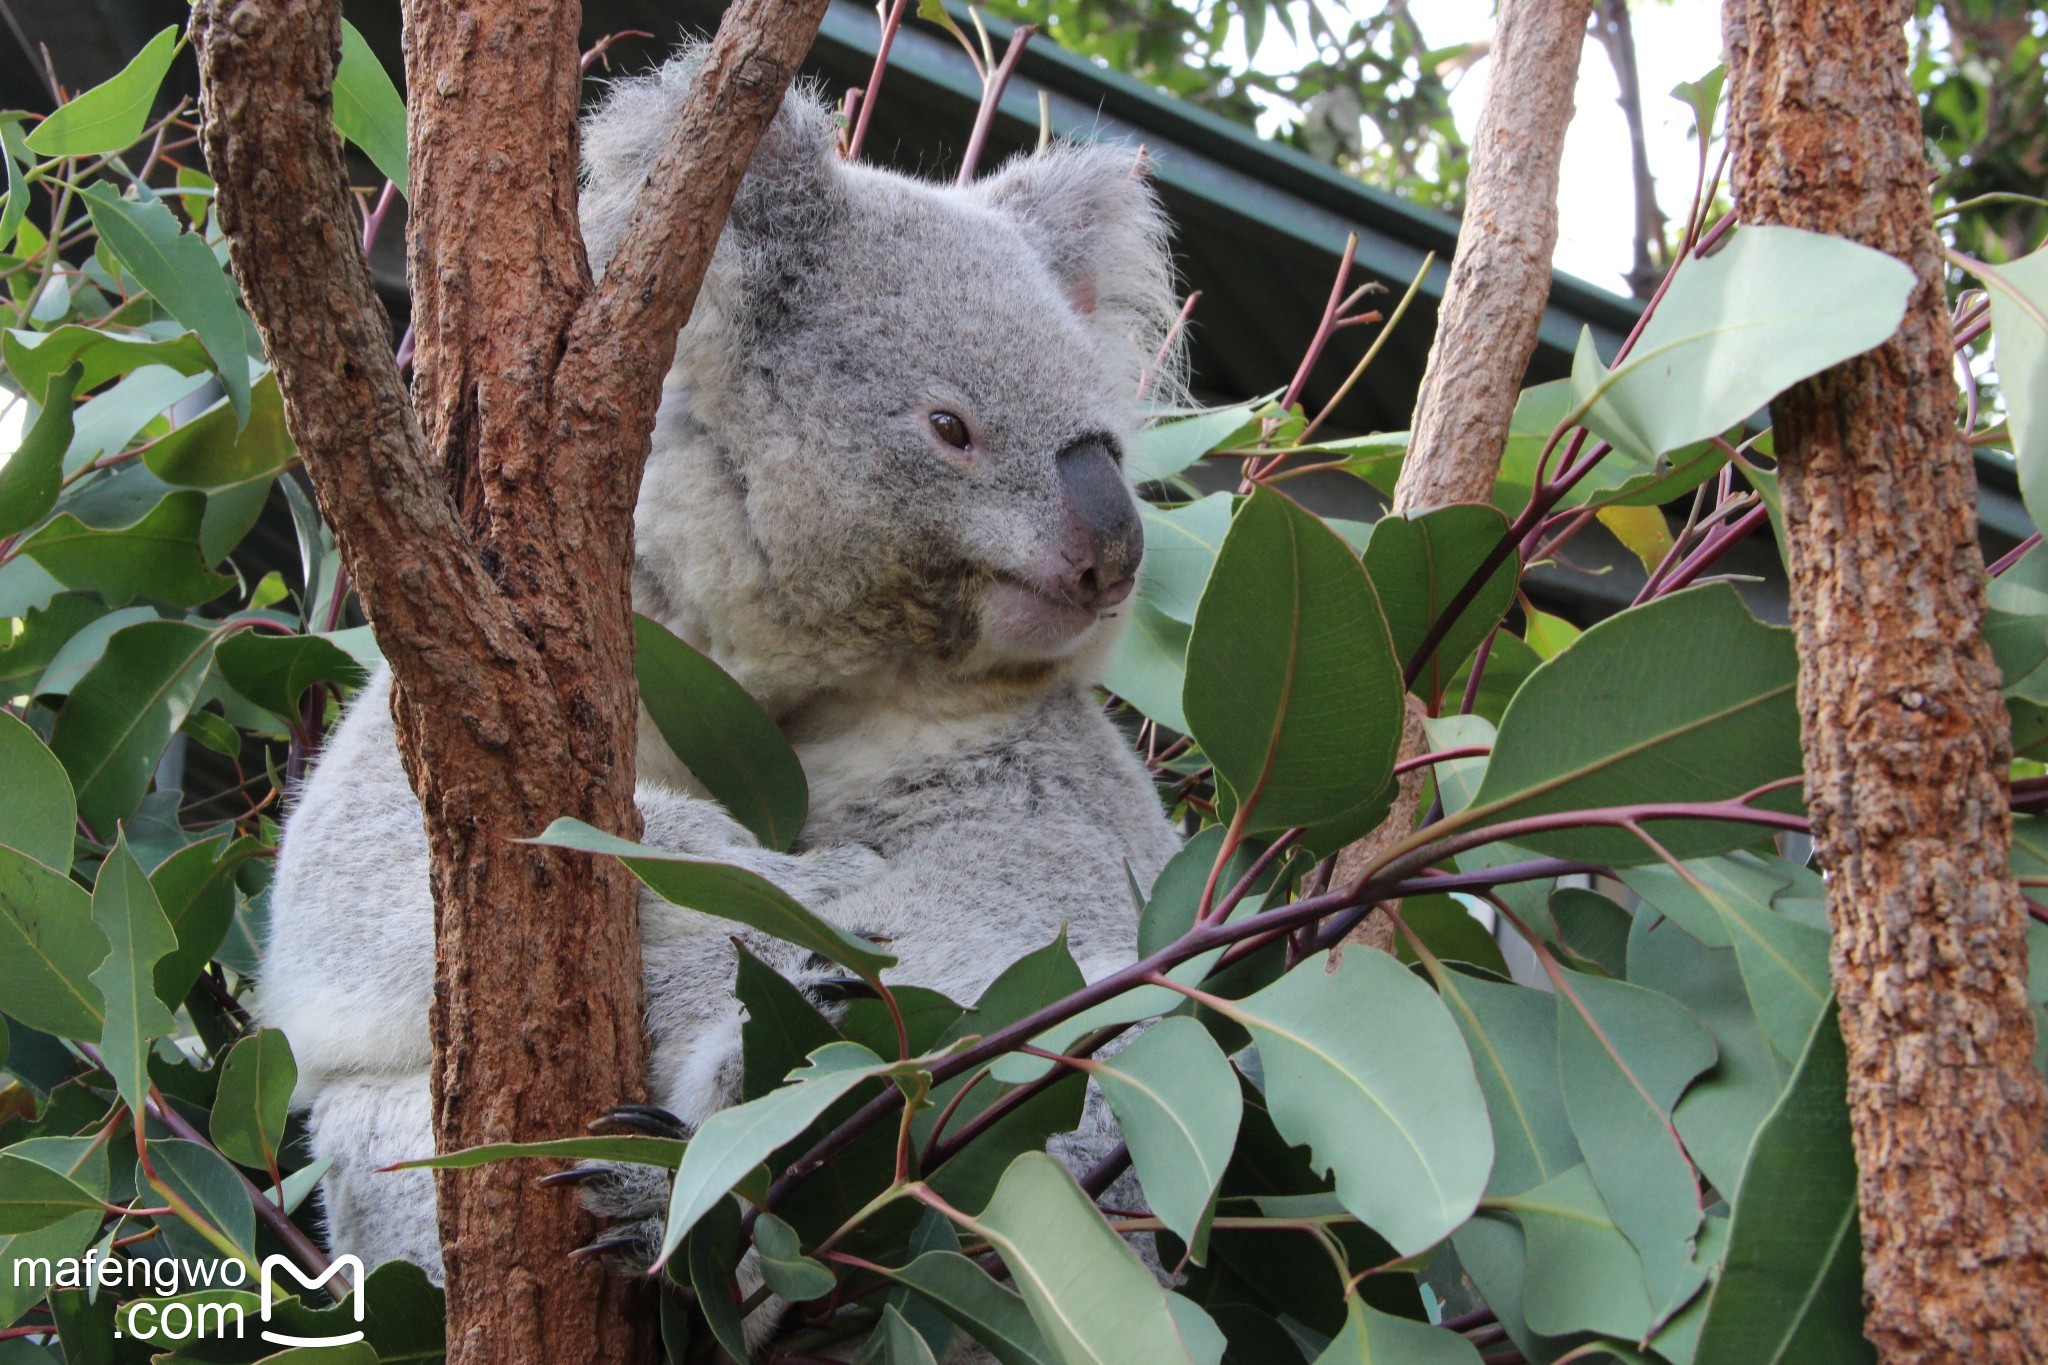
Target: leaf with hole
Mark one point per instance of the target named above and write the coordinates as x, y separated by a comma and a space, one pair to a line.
1176, 1099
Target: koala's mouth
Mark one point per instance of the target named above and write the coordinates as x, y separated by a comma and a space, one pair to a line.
1026, 618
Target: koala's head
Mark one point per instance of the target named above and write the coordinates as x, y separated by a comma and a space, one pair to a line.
898, 419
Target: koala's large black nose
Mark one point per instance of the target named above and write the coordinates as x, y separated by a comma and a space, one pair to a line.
1101, 538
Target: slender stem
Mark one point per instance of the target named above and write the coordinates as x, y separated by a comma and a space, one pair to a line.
1358, 370
2014, 555
890, 23
991, 96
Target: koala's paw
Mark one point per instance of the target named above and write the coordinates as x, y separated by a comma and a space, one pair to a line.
632, 1201
828, 984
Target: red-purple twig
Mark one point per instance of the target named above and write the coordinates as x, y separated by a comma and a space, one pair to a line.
991, 96
2014, 555
890, 24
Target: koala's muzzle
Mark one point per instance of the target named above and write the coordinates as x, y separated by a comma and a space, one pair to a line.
1101, 538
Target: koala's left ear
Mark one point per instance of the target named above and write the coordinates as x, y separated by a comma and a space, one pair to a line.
1091, 212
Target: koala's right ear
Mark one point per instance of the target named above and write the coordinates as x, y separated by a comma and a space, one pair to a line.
787, 185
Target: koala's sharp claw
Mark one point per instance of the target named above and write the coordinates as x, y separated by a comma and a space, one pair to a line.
832, 990
641, 1118
577, 1175
622, 1241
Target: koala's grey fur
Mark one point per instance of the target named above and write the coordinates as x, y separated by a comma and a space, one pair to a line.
968, 797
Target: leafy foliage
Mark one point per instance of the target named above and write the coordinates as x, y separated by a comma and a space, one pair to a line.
1634, 1150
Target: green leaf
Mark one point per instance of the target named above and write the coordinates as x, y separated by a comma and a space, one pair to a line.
368, 109
119, 717
204, 1180
994, 1316
274, 671
158, 556
1176, 1099
212, 451
1371, 1337
38, 813
1583, 1275
779, 1028
721, 734
635, 1151
1621, 479
726, 892
33, 1197
713, 1257
1591, 928
59, 1241
29, 478
1089, 1294
1772, 307
790, 1273
15, 208
898, 1342
1623, 1064
1293, 690
1611, 722
182, 274
48, 949
125, 908
1704, 97
1784, 965
1366, 1066
2022, 353
1164, 449
1792, 1286
254, 1098
1181, 546
196, 888
1511, 1032
110, 116
1419, 564
733, 1141
1149, 667
33, 359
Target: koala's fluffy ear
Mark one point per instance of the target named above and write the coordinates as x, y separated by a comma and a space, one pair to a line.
1091, 212
624, 135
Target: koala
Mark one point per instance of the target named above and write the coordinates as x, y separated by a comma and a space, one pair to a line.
886, 494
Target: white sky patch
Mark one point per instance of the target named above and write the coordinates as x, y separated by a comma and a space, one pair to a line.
1676, 41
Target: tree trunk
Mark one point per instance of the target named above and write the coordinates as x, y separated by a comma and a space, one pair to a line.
490, 541
1906, 739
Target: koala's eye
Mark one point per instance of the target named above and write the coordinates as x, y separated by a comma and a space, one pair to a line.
950, 429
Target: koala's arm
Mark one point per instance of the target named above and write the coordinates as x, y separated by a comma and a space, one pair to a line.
349, 972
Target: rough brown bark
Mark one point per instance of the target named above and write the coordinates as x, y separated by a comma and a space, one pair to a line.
1906, 739
1500, 280
491, 541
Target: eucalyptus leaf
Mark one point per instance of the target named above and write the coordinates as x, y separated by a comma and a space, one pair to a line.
721, 734
38, 814
1420, 564
1583, 1274
790, 1273
254, 1098
274, 671
1366, 1065
991, 1314
1772, 307
1511, 1033
1176, 1099
29, 478
1371, 1337
33, 359
1090, 1296
368, 109
119, 717
1610, 722
158, 556
210, 1187
34, 1197
110, 116
726, 892
733, 1141
1293, 690
226, 444
49, 947
1164, 449
1149, 668
1181, 546
2022, 353
1625, 1054
1792, 1286
125, 908
182, 275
